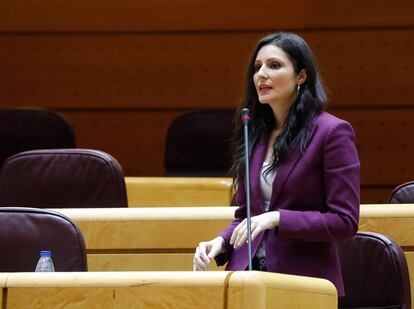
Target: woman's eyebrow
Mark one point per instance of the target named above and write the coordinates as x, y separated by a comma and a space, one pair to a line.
270, 59
274, 59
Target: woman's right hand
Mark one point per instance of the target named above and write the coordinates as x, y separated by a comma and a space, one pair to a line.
207, 250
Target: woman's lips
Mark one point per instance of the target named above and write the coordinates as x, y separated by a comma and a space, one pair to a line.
264, 88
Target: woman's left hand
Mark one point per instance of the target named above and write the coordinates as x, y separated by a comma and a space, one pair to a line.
265, 221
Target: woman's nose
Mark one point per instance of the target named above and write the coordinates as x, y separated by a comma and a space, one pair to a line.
262, 72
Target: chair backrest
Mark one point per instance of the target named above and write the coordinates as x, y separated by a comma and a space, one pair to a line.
375, 273
24, 129
403, 194
198, 144
62, 178
26, 231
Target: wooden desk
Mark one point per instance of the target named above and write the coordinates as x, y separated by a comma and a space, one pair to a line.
178, 191
165, 238
156, 239
167, 289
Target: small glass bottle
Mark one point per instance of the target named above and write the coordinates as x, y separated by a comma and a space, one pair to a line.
45, 263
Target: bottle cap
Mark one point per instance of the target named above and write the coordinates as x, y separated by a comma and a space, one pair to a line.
46, 253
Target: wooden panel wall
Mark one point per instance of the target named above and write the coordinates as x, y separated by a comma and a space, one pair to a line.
120, 72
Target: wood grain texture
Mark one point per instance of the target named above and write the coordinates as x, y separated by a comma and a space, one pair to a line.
3, 290
149, 228
216, 191
354, 13
185, 15
106, 228
155, 71
410, 262
146, 15
259, 290
117, 290
125, 297
168, 289
376, 195
365, 67
144, 262
178, 191
135, 138
192, 70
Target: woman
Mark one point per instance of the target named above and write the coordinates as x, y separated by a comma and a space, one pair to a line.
304, 171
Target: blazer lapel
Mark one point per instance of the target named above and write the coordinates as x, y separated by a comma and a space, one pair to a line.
285, 169
255, 168
282, 175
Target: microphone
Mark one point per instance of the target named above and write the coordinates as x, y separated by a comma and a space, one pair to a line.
245, 112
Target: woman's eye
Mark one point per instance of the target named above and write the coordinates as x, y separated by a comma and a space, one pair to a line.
274, 65
257, 67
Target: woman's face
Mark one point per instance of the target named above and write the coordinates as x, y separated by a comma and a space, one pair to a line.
275, 78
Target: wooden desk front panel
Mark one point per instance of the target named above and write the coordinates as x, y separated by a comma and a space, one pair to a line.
169, 289
178, 191
144, 262
111, 297
117, 290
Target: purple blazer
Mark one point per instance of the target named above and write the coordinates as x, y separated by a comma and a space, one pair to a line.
317, 195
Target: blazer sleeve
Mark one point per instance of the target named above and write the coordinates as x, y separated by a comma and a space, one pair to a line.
239, 216
341, 176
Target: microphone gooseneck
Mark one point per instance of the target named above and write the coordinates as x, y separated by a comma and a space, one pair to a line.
245, 113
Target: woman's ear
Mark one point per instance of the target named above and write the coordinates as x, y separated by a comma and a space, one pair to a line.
302, 77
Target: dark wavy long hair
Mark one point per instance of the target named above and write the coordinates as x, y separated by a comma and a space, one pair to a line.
309, 102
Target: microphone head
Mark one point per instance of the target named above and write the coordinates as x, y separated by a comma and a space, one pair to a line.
245, 113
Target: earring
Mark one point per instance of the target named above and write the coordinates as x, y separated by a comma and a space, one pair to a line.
298, 89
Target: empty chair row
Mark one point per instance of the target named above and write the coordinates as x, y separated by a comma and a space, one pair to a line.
86, 178
197, 142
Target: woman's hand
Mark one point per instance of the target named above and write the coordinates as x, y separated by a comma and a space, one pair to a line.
265, 221
207, 250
